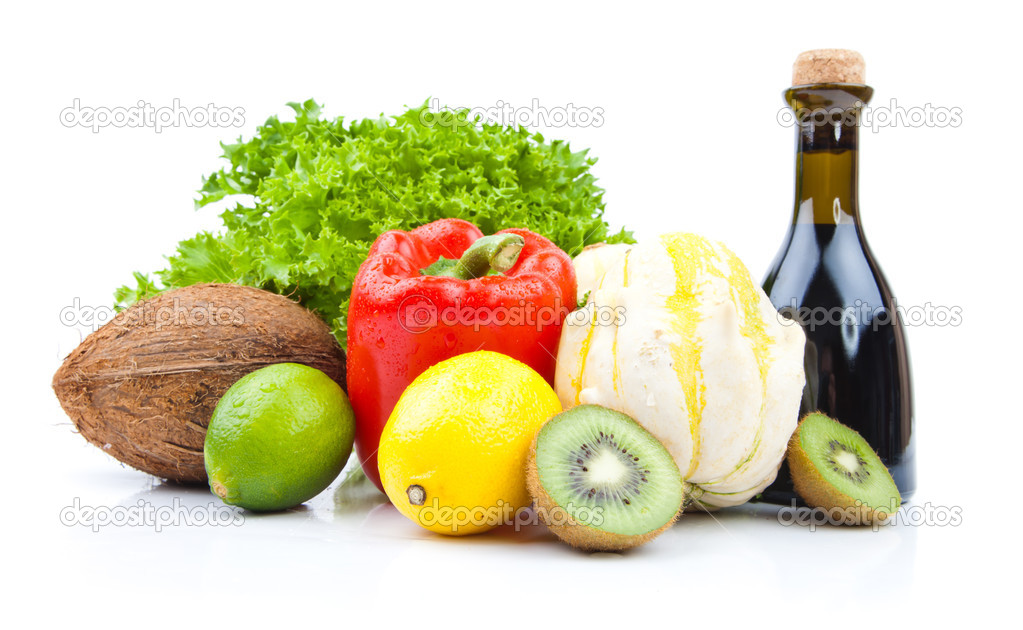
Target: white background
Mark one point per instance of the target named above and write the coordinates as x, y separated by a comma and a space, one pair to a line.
689, 142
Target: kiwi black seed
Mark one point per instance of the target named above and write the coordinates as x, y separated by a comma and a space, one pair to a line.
600, 481
834, 468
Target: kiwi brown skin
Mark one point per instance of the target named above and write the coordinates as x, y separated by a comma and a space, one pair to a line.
818, 493
579, 535
143, 387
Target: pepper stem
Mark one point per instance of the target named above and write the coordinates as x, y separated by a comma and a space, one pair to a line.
497, 252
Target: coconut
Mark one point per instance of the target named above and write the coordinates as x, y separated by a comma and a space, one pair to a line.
143, 387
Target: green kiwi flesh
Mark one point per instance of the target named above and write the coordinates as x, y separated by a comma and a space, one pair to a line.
601, 481
834, 467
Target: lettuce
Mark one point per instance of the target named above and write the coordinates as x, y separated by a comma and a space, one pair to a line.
317, 193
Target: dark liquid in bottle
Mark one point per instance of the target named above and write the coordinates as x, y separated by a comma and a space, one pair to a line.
857, 364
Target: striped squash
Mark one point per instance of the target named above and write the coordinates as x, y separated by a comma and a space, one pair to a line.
675, 333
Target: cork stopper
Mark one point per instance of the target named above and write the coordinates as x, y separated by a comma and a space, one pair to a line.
829, 65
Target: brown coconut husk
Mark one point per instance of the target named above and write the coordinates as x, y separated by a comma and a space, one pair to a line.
143, 387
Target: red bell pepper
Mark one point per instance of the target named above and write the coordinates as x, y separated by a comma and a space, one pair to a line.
424, 296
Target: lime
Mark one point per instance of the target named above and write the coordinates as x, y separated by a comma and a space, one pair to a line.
453, 453
278, 437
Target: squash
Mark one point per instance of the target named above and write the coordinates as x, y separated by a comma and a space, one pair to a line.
675, 333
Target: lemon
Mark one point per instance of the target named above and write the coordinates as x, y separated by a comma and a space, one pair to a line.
278, 437
453, 453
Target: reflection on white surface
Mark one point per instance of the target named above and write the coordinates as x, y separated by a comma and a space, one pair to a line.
350, 551
351, 525
348, 554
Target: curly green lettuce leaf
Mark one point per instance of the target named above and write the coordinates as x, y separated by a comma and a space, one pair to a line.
317, 193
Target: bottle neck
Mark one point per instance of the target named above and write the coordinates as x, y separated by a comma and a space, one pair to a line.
827, 156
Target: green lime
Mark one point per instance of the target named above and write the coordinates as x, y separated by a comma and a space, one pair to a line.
278, 437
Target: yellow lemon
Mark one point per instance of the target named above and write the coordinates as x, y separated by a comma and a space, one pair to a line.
453, 454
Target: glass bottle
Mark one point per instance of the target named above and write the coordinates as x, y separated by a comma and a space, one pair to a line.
826, 277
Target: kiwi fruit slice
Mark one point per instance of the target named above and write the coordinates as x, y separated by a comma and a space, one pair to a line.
600, 481
834, 468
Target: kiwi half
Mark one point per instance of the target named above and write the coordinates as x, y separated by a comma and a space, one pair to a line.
833, 467
600, 481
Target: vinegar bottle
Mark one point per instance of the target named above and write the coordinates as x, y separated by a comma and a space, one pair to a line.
825, 276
